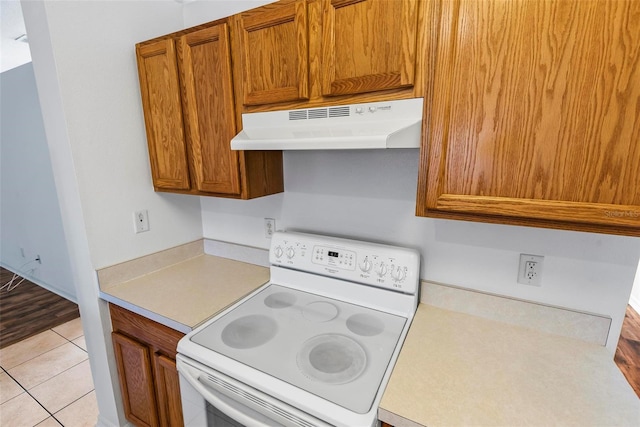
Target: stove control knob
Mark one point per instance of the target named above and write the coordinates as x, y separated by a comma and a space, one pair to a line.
382, 269
279, 252
398, 274
366, 265
290, 252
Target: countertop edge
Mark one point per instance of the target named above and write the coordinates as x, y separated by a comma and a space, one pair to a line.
394, 419
145, 313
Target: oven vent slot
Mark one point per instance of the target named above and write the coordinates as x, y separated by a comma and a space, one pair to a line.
260, 402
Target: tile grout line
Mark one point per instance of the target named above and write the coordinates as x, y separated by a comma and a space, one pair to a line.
34, 399
52, 415
52, 348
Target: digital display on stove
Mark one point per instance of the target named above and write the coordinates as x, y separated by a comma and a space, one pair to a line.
333, 254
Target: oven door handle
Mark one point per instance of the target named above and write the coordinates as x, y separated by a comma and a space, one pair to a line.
224, 404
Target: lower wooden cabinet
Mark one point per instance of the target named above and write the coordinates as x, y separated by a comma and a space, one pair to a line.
145, 354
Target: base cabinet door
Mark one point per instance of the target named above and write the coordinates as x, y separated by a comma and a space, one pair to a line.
136, 380
168, 389
145, 355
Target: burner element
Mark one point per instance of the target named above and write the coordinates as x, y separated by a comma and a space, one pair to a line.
249, 331
279, 300
332, 359
365, 325
320, 311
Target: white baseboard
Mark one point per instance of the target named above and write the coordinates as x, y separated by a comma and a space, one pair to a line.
42, 284
634, 302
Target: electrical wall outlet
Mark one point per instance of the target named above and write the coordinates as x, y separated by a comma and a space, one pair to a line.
530, 269
269, 227
141, 221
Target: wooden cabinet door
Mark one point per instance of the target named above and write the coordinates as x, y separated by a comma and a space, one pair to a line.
368, 45
160, 90
168, 391
209, 107
273, 50
535, 118
136, 380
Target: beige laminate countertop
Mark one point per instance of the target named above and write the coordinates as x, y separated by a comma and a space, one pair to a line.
185, 294
457, 369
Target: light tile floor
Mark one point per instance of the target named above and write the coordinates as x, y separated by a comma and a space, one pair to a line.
46, 381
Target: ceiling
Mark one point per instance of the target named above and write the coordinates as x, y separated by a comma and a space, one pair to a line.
13, 53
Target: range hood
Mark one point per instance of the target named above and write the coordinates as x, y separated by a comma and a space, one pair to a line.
376, 125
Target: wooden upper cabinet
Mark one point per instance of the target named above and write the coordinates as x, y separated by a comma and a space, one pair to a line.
209, 109
535, 116
160, 90
308, 53
190, 112
368, 45
273, 52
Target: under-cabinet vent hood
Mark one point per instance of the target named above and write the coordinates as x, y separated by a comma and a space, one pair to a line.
375, 125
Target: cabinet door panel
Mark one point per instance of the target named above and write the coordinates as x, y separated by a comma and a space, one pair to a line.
168, 389
160, 90
535, 114
205, 65
368, 45
274, 50
136, 380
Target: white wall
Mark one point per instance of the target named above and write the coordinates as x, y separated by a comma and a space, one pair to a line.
84, 62
371, 195
634, 301
86, 75
30, 222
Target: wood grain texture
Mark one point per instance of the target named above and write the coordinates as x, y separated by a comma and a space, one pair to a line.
159, 337
168, 390
147, 343
274, 52
209, 117
628, 352
160, 91
136, 380
536, 114
368, 86
30, 309
368, 45
205, 69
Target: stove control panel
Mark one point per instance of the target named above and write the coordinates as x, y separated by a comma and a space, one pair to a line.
383, 266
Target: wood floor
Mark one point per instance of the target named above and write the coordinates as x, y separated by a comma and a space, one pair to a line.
29, 309
628, 352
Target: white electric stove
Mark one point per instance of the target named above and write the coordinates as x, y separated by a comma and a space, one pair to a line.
313, 347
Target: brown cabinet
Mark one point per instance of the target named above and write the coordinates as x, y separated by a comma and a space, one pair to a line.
160, 90
145, 355
303, 53
186, 85
274, 53
535, 117
368, 45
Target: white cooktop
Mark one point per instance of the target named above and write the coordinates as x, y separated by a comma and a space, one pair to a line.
333, 349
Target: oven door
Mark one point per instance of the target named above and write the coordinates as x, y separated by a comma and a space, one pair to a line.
210, 398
